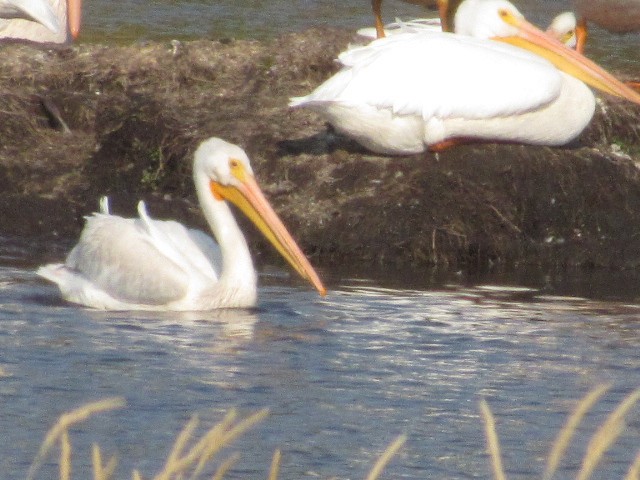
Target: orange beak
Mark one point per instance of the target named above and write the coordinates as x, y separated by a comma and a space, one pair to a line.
535, 40
248, 197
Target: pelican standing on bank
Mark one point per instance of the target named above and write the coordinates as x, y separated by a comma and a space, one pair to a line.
409, 93
614, 15
42, 21
446, 11
144, 264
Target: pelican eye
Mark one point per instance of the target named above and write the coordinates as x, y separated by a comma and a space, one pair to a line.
237, 169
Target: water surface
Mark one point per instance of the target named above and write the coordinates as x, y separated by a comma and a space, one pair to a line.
126, 21
342, 375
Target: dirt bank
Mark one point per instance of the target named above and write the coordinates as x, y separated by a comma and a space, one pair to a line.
135, 115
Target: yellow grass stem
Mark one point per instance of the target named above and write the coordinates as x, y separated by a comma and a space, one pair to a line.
274, 471
213, 441
67, 420
101, 472
225, 466
217, 438
96, 460
606, 435
181, 440
386, 457
65, 456
634, 469
136, 475
493, 444
561, 442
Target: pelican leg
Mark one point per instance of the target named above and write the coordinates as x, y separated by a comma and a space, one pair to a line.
376, 6
581, 35
443, 11
451, 142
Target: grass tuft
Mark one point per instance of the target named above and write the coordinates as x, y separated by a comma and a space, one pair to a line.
600, 442
60, 432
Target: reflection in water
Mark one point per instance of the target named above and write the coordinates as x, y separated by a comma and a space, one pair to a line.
342, 376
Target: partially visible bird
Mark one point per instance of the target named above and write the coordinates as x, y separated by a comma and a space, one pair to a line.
144, 264
409, 93
446, 12
416, 25
42, 21
614, 15
563, 27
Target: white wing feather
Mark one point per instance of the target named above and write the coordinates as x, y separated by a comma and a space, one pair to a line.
140, 261
441, 75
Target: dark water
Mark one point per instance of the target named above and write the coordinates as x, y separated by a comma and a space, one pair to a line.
125, 21
342, 376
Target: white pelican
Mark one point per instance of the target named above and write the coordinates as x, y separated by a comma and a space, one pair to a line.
143, 264
43, 21
563, 27
394, 96
416, 25
613, 15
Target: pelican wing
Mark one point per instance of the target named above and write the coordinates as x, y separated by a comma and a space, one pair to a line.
123, 259
441, 75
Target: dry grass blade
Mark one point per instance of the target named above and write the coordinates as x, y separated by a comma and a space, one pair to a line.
634, 469
136, 475
65, 456
274, 471
101, 472
225, 466
67, 420
566, 433
217, 438
181, 441
493, 444
386, 457
212, 442
606, 435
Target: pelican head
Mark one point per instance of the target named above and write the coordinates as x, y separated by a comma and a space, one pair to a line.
500, 20
563, 27
222, 172
487, 18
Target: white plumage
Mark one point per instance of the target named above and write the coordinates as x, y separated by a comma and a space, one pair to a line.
410, 92
144, 264
43, 21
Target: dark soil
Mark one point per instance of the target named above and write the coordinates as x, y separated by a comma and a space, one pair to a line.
135, 114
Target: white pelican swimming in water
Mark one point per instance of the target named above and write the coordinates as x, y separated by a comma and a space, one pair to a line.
409, 93
43, 21
143, 264
614, 15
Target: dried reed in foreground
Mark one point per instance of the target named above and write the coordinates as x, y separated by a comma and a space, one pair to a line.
600, 442
188, 456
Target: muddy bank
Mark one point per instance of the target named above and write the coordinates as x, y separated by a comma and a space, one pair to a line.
135, 114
